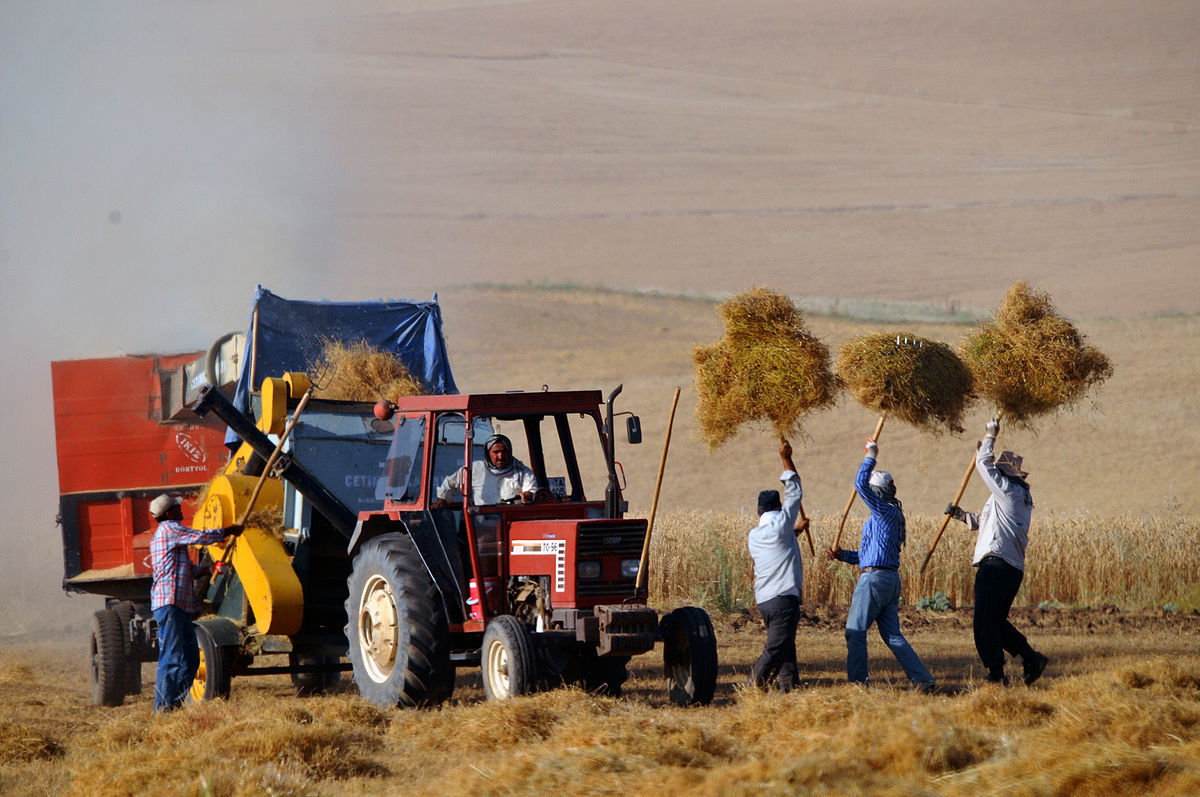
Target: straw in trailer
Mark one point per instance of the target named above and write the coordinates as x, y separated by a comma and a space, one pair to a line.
360, 372
768, 368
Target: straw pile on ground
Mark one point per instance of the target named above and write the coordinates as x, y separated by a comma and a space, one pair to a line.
1029, 360
919, 381
360, 372
767, 368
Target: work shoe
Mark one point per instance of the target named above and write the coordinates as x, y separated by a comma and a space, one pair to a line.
999, 680
925, 687
1035, 667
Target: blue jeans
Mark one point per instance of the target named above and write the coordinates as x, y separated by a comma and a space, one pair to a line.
178, 657
877, 600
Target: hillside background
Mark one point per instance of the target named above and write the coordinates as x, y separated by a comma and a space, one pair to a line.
579, 181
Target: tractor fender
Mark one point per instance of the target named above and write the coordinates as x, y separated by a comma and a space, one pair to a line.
225, 632
367, 529
436, 544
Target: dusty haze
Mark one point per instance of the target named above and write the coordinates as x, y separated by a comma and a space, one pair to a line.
157, 160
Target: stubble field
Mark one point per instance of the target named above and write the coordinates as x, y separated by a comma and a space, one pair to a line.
1117, 713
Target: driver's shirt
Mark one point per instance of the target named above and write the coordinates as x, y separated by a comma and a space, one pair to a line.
488, 488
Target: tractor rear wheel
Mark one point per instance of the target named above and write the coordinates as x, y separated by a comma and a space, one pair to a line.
399, 639
689, 656
509, 668
107, 659
214, 678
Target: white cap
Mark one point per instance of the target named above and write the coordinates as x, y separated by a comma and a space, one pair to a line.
880, 478
160, 505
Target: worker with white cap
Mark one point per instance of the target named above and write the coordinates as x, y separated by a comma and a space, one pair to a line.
173, 599
877, 593
999, 559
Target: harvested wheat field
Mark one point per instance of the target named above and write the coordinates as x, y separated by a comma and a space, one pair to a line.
1118, 712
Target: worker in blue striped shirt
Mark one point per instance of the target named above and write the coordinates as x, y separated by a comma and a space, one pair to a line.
877, 593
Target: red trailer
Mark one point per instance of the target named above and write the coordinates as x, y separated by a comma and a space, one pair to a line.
122, 439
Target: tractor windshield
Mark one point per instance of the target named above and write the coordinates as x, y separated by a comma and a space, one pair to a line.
564, 450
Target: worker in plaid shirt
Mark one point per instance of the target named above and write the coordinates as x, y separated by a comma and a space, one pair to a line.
174, 601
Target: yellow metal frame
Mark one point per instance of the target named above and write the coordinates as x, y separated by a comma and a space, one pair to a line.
272, 588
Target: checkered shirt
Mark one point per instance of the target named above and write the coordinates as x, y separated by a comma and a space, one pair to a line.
174, 579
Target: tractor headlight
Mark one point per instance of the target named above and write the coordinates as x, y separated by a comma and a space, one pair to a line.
629, 567
588, 569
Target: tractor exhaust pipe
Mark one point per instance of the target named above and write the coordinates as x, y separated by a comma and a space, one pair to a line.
612, 507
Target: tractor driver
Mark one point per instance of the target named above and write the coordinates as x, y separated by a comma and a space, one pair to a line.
500, 478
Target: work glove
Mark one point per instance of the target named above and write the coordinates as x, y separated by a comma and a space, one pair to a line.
956, 512
234, 530
993, 427
872, 448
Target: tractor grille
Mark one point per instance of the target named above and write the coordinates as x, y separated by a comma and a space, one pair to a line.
617, 539
608, 541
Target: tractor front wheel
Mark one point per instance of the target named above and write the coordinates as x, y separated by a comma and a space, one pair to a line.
689, 656
399, 639
108, 670
509, 669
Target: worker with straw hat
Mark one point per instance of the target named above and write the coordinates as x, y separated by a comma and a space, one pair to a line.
877, 594
999, 559
778, 576
173, 599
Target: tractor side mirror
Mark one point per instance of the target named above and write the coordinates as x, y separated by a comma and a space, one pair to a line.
633, 428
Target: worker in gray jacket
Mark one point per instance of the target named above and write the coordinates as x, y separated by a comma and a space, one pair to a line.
1003, 526
778, 576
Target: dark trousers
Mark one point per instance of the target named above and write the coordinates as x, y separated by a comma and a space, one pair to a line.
996, 585
778, 659
178, 657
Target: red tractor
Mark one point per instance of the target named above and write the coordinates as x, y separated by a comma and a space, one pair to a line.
538, 594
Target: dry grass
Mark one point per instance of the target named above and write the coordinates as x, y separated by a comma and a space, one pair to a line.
1030, 360
768, 367
360, 372
922, 382
1131, 563
1110, 722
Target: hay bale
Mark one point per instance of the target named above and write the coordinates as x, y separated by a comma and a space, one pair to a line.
360, 372
768, 367
917, 380
1029, 360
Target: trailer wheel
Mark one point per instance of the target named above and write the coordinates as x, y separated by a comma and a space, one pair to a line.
309, 684
133, 659
509, 669
214, 678
399, 640
689, 656
107, 659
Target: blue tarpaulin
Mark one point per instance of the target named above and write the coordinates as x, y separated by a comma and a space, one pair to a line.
288, 335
